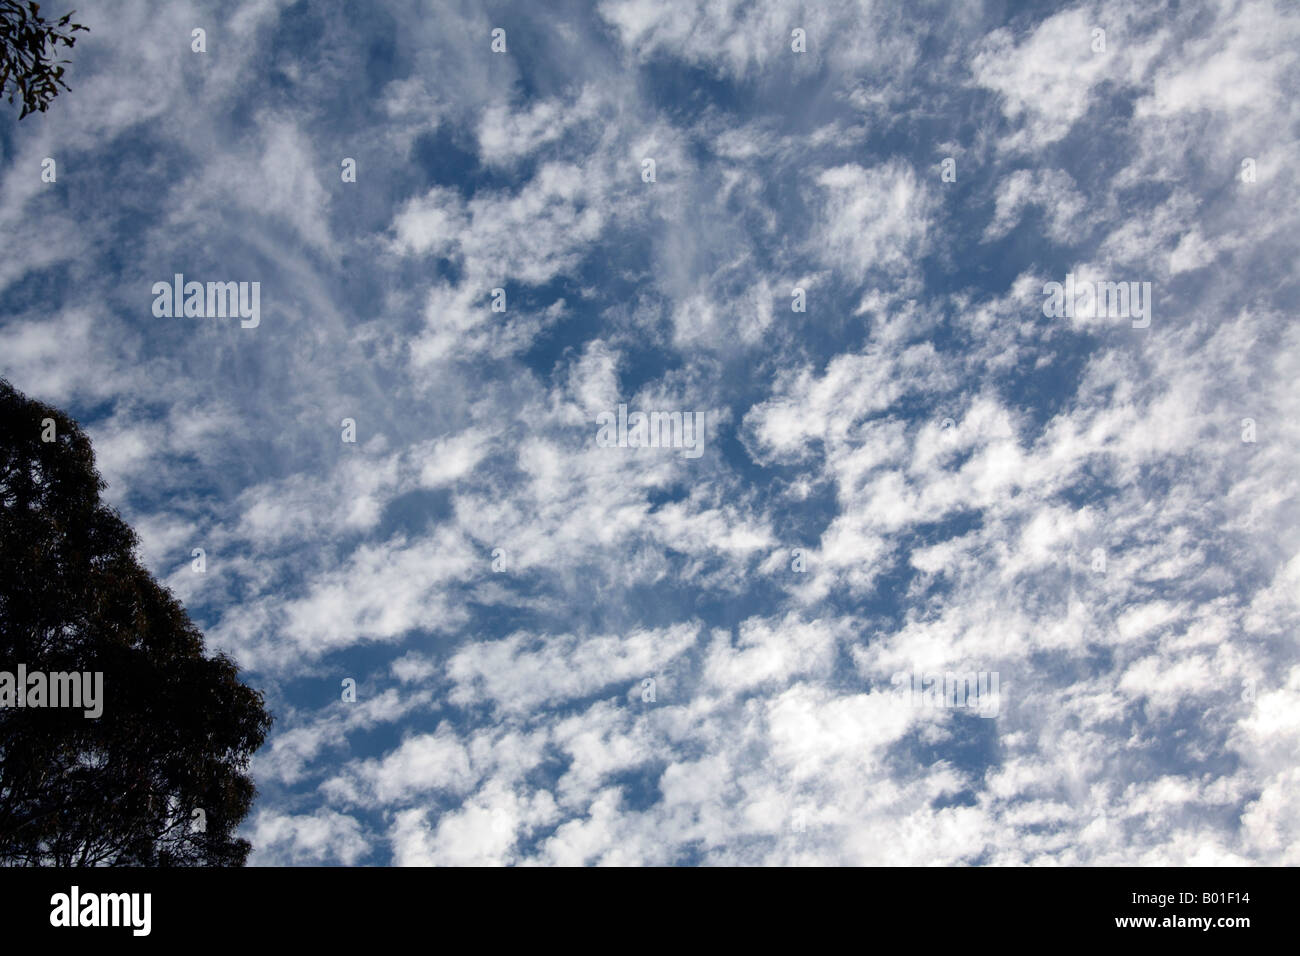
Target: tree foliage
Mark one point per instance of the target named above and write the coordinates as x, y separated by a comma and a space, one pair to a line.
28, 47
177, 727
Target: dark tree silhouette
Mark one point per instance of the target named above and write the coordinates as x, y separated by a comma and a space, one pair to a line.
28, 45
177, 727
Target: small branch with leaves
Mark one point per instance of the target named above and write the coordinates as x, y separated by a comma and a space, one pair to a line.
29, 69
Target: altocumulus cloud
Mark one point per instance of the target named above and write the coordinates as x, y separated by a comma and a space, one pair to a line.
564, 653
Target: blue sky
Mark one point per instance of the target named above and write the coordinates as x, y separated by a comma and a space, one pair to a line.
948, 459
